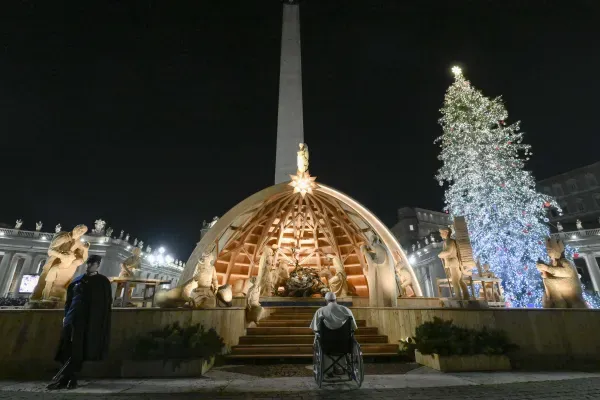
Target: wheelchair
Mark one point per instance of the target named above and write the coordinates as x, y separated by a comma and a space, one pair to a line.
337, 344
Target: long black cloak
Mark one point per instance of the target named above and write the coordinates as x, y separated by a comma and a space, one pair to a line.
86, 330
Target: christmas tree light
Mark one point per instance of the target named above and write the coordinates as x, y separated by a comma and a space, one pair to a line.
483, 159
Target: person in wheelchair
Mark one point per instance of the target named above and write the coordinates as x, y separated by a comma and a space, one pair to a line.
333, 316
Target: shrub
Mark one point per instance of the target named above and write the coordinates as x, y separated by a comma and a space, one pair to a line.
12, 301
446, 339
178, 343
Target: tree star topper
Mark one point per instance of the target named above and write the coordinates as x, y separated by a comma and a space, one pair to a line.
456, 70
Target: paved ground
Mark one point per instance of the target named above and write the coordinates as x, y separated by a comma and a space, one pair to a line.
420, 383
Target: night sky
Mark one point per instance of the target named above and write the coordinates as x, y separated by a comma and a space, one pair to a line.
159, 115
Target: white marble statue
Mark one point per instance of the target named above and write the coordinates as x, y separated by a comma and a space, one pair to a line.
579, 224
127, 238
405, 278
338, 283
559, 227
141, 244
99, 227
38, 226
562, 288
121, 235
18, 224
380, 274
207, 283
426, 241
302, 158
135, 242
109, 232
453, 266
432, 238
148, 249
265, 265
57, 228
418, 245
253, 308
213, 222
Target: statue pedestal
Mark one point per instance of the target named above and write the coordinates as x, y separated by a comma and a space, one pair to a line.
455, 303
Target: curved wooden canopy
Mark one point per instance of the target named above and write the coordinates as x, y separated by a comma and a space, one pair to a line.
304, 228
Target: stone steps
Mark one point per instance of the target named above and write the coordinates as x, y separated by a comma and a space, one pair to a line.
303, 339
283, 350
297, 323
295, 330
285, 334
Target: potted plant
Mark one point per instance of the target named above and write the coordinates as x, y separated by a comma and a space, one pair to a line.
446, 347
174, 351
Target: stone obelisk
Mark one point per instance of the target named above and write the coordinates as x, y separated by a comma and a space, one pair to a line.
290, 127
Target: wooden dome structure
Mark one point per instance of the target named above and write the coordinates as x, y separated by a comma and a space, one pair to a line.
304, 227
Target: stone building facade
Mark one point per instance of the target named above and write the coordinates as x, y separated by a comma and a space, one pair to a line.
24, 253
578, 193
417, 230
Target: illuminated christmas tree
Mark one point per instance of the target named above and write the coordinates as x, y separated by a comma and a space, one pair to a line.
483, 159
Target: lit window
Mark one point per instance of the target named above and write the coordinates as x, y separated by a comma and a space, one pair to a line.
411, 227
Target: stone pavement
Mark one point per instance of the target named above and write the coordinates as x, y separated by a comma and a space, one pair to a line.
420, 383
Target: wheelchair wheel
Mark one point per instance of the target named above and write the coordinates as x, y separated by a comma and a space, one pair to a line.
318, 363
358, 369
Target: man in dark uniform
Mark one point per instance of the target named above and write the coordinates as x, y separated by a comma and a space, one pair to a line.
86, 326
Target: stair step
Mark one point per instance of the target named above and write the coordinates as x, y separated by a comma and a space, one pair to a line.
299, 331
282, 356
278, 349
303, 339
288, 316
297, 323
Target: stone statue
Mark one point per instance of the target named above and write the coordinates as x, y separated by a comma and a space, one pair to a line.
491, 290
141, 244
121, 235
135, 242
18, 224
99, 227
414, 247
207, 283
127, 238
561, 281
426, 241
225, 295
38, 226
338, 283
404, 278
380, 274
579, 224
452, 265
131, 266
559, 227
253, 308
302, 158
432, 238
109, 232
57, 228
148, 249
66, 252
418, 245
213, 222
264, 272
